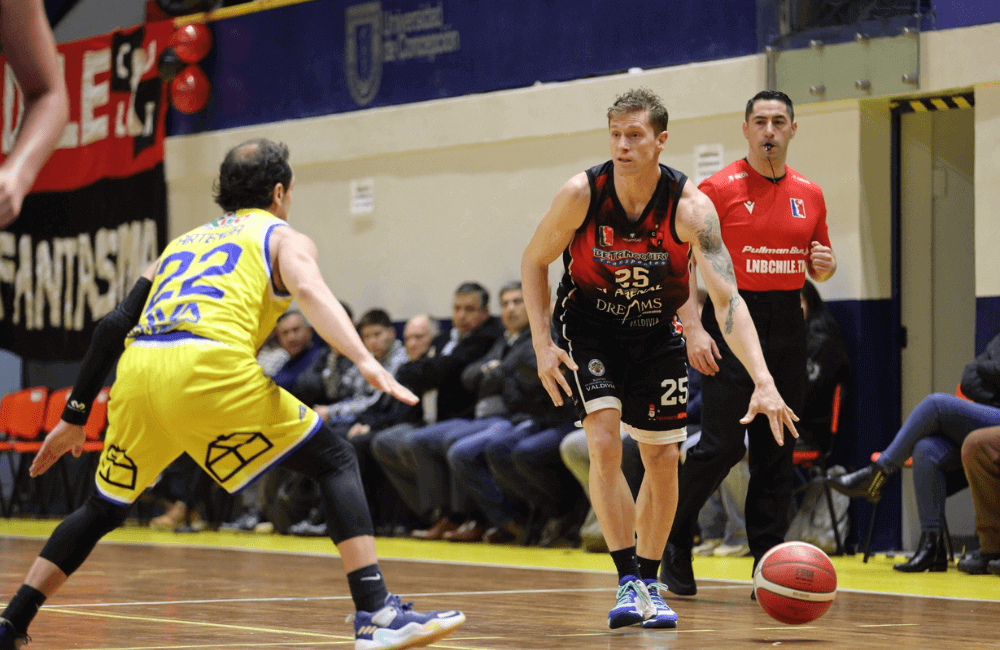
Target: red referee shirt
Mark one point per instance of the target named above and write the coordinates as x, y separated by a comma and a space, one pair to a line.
767, 226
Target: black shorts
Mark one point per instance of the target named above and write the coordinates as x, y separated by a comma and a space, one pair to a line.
643, 376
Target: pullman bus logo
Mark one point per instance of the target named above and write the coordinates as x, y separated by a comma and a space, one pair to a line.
363, 51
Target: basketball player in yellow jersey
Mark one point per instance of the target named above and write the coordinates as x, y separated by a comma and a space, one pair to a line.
188, 381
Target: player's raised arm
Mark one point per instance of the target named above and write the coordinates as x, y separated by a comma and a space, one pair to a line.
297, 271
698, 224
553, 235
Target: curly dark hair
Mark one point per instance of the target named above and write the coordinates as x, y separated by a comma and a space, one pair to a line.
767, 96
249, 173
641, 99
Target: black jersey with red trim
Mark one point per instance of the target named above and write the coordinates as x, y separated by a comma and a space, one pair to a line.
624, 275
768, 227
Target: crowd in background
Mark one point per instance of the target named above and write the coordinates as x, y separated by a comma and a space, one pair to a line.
484, 456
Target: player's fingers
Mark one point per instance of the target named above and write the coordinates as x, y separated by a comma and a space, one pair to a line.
43, 461
567, 360
791, 425
777, 429
564, 384
551, 388
77, 450
751, 414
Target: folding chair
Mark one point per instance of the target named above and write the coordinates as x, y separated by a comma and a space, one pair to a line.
816, 460
22, 415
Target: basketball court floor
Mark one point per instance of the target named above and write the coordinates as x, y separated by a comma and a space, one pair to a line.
146, 590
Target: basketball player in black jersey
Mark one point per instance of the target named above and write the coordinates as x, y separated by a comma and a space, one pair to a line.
30, 50
625, 230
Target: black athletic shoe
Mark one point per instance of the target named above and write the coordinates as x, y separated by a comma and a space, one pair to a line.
9, 638
676, 571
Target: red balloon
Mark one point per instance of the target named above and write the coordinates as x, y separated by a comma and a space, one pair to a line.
190, 89
191, 42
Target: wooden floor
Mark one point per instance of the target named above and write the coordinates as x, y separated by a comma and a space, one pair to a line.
144, 590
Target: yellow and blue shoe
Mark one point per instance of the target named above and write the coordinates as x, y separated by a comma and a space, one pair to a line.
633, 604
396, 625
664, 616
9, 638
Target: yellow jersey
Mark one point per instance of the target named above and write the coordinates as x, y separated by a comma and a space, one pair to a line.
215, 283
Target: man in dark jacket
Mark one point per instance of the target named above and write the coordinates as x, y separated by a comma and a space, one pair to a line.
437, 378
981, 377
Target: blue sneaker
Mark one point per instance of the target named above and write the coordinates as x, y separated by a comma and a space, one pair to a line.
397, 626
664, 616
9, 638
633, 606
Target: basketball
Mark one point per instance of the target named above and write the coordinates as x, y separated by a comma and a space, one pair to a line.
795, 583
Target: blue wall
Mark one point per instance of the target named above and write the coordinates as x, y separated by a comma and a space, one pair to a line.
329, 58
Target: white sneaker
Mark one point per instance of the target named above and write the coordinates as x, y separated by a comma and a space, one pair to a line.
735, 550
707, 546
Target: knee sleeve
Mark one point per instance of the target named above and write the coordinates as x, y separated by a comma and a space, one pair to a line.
331, 461
73, 539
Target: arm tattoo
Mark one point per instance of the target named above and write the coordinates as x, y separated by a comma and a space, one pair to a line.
715, 252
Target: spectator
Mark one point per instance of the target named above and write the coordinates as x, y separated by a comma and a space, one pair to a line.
355, 394
981, 459
933, 435
437, 378
302, 374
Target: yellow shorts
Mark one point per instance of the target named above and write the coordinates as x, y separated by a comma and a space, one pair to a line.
200, 397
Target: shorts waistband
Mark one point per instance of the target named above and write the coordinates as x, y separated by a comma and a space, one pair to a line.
173, 339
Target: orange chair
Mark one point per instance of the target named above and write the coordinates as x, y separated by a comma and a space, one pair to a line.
814, 459
22, 415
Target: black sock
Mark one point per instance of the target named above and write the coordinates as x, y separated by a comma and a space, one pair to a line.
624, 560
647, 567
23, 607
367, 588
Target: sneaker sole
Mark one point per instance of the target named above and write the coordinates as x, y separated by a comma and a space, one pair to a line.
624, 620
441, 629
653, 624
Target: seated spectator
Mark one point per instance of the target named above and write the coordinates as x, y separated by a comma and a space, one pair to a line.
508, 371
302, 374
437, 377
827, 365
981, 460
388, 512
354, 393
933, 435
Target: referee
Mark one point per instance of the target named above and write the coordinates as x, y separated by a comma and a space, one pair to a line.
774, 224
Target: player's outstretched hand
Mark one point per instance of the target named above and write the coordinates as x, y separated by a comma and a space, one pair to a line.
550, 358
767, 400
64, 437
381, 379
702, 350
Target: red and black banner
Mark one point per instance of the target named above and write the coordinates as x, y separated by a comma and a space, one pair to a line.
96, 217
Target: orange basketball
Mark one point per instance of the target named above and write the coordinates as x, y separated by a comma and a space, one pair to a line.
795, 583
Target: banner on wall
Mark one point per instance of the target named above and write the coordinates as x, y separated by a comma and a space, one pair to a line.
96, 218
354, 54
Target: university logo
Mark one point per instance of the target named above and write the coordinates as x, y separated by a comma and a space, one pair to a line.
596, 367
363, 51
798, 208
